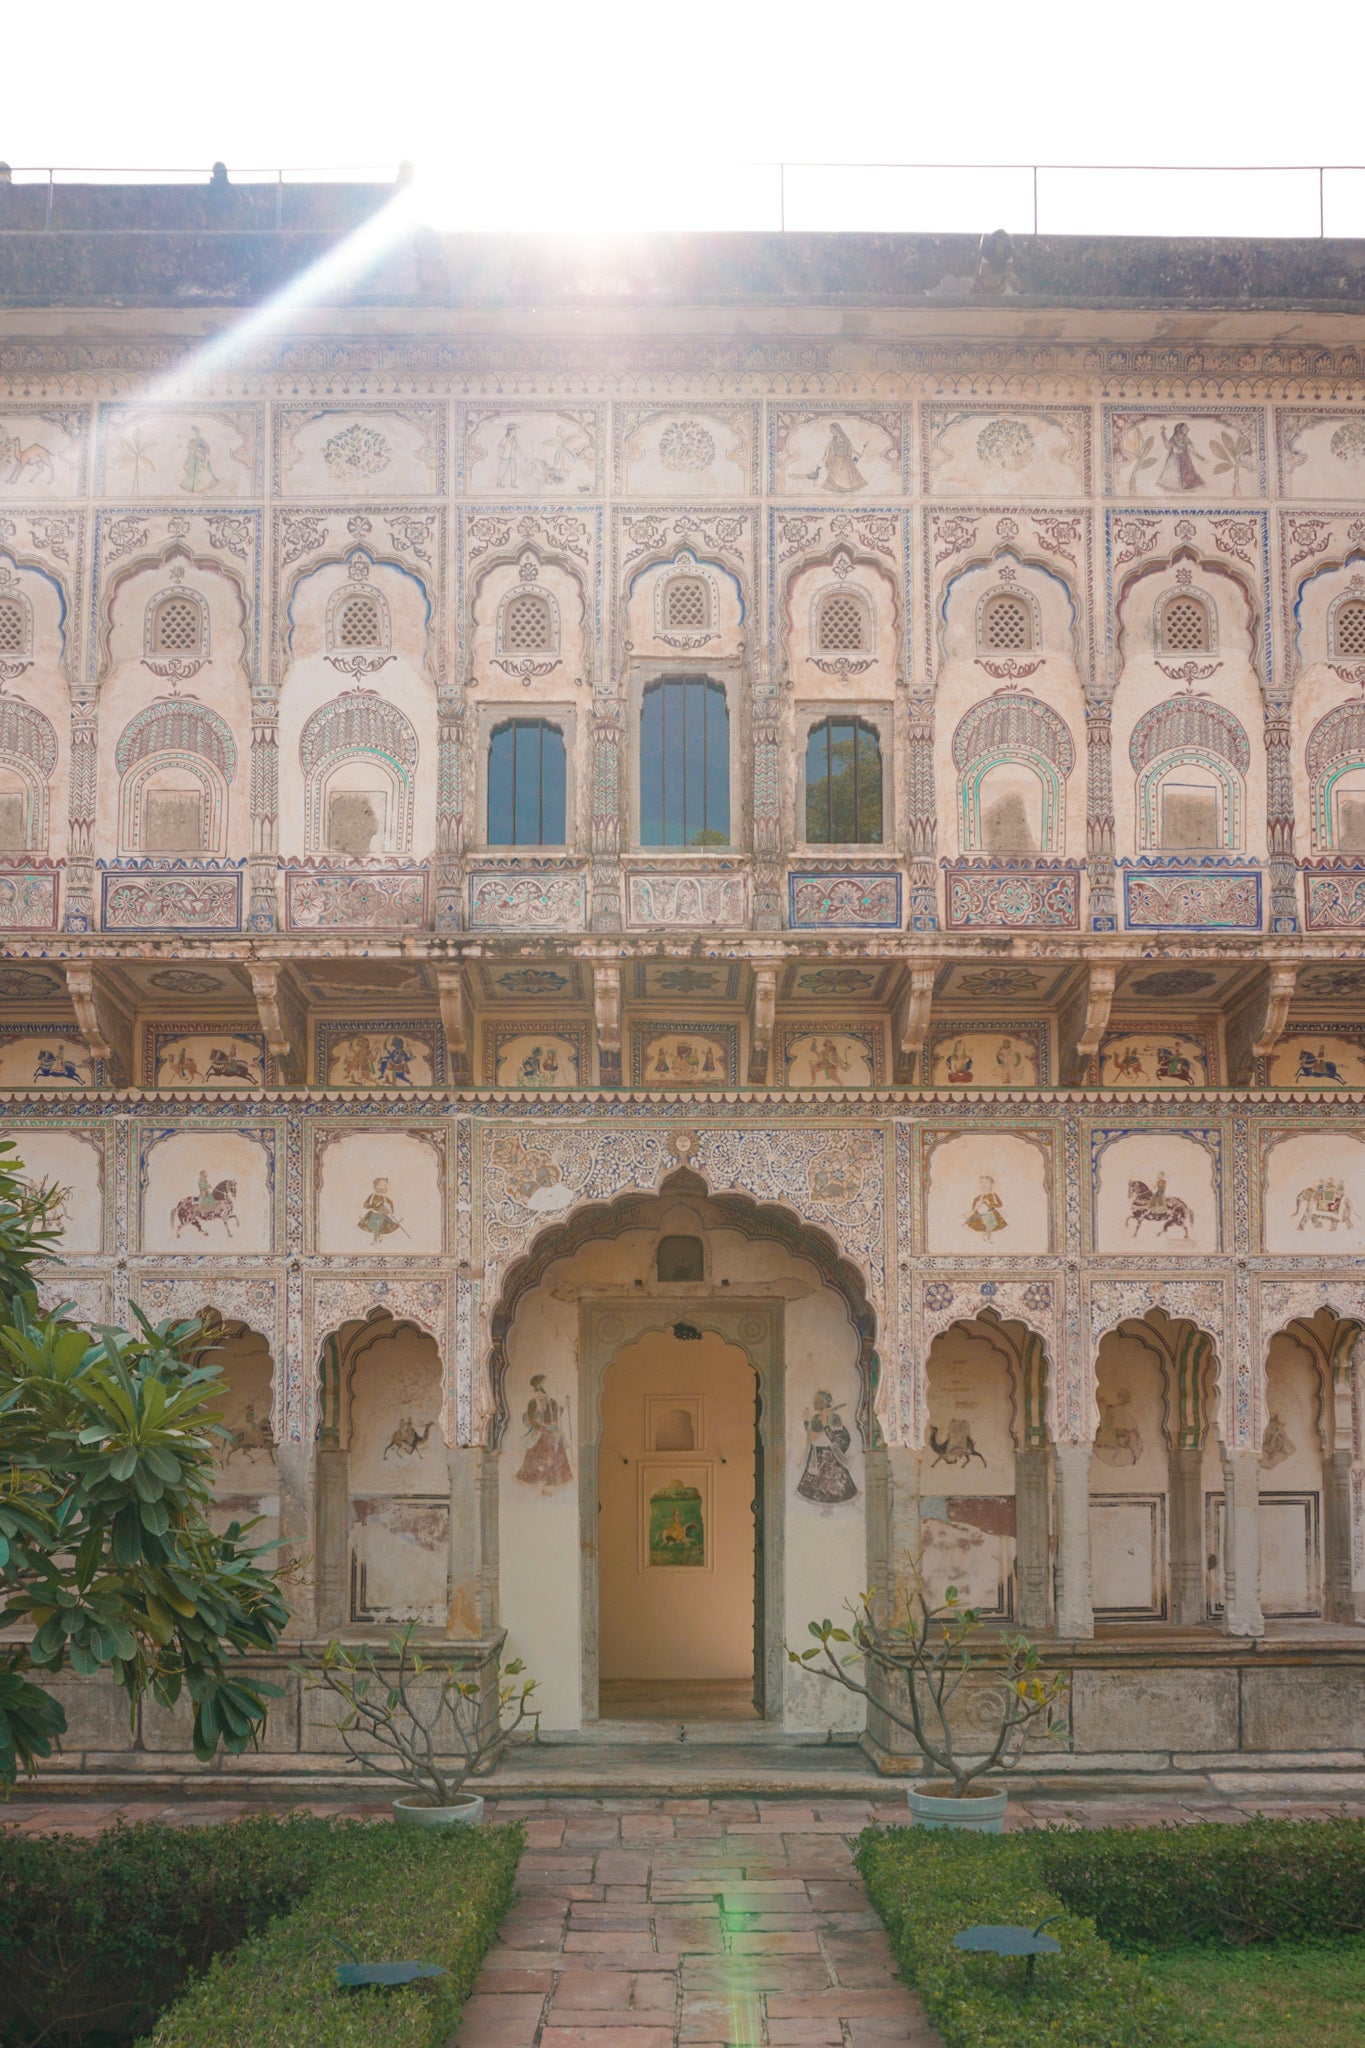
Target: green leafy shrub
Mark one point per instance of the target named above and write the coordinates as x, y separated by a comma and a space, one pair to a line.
929, 1887
396, 1896
1260, 1880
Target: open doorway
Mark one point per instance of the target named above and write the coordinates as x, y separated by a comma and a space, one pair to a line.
679, 1531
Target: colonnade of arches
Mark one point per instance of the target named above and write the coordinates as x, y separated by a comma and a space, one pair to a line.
994, 1513
998, 1518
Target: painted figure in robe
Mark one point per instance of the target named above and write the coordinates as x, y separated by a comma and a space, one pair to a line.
826, 1478
545, 1462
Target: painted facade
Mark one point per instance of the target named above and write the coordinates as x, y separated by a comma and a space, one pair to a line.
971, 1052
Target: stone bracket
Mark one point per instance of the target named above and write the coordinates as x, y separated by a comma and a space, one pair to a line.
1261, 1020
106, 1028
1080, 1035
762, 1019
606, 1002
911, 1024
457, 1023
284, 1018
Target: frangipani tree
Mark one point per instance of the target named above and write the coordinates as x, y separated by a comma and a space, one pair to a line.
915, 1654
108, 1561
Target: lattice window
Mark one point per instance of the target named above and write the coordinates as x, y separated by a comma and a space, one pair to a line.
687, 605
843, 623
13, 627
527, 627
358, 622
1348, 630
1185, 625
1006, 625
177, 626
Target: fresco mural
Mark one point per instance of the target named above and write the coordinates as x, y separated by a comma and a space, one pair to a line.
986, 1194
389, 1056
45, 1060
1157, 1059
831, 1059
212, 1189
73, 1166
1158, 1194
970, 1057
379, 1193
522, 1058
225, 1058
665, 1056
1314, 1193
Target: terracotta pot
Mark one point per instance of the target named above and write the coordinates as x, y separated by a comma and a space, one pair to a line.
980, 1813
413, 1811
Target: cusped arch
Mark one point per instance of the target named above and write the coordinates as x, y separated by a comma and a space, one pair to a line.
1033, 1389
639, 1209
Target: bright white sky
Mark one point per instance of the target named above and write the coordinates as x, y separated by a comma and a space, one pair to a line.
533, 114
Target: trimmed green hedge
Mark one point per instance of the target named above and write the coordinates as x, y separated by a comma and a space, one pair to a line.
1165, 1888
98, 1936
1213, 1882
101, 1933
396, 1895
928, 1887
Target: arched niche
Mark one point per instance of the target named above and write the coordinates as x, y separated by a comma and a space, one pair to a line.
1156, 1482
247, 1481
984, 1512
383, 1485
1310, 1464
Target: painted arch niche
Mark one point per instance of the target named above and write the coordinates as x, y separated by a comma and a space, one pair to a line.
983, 1502
383, 1492
1156, 1192
1313, 1194
246, 1485
380, 1193
1156, 1474
987, 1195
1009, 723
209, 1190
73, 1164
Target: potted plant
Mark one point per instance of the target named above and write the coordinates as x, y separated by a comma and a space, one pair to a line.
914, 1660
423, 1723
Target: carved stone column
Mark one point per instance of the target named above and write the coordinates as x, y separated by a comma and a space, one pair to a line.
263, 904
1074, 1602
294, 1474
467, 1591
606, 812
1284, 908
331, 1517
1032, 1469
1099, 809
1185, 1486
79, 914
1338, 1591
1242, 1544
448, 911
767, 847
921, 837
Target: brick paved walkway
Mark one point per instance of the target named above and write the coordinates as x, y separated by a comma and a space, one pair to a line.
647, 1923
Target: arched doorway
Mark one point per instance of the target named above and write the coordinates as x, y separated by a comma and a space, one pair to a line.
246, 1483
771, 1298
678, 1523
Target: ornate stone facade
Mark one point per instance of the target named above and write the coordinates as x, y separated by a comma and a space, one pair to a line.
900, 793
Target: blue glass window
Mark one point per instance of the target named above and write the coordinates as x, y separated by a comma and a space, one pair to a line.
526, 784
684, 763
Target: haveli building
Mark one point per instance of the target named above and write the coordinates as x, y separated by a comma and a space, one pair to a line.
714, 891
